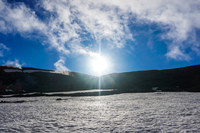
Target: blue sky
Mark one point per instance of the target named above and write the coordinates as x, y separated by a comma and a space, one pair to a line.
133, 35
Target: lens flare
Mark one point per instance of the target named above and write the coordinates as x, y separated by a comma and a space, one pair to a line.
99, 65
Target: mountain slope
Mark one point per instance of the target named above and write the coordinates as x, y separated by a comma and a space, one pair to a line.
40, 80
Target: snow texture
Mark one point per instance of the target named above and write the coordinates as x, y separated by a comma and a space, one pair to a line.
34, 71
25, 71
12, 70
138, 112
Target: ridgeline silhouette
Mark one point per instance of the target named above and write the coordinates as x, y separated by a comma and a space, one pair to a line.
40, 80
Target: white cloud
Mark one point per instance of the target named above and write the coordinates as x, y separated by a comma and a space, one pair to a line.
14, 63
20, 18
78, 49
104, 22
75, 19
70, 21
177, 54
60, 65
180, 18
67, 21
3, 49
3, 27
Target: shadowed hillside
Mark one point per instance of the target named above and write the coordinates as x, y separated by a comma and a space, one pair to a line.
39, 80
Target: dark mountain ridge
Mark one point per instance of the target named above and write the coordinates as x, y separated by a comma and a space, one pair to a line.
40, 80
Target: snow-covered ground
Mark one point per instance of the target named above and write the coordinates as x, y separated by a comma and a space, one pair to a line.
12, 70
25, 71
137, 112
34, 71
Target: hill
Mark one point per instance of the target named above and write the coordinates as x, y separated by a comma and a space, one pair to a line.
40, 80
179, 79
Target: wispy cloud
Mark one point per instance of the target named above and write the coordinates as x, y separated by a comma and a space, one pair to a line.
3, 49
60, 65
177, 19
79, 19
71, 21
177, 54
19, 18
14, 63
64, 22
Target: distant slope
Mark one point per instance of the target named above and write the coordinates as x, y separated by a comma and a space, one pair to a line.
40, 80
179, 79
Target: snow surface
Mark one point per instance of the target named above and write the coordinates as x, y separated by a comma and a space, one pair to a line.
137, 112
61, 72
12, 70
25, 71
33, 71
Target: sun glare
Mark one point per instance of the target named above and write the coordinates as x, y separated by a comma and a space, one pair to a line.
99, 65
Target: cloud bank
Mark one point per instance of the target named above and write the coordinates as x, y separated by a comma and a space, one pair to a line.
65, 25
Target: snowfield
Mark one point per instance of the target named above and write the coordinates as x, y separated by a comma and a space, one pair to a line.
34, 71
165, 112
25, 71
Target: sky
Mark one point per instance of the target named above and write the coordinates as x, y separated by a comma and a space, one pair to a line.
71, 35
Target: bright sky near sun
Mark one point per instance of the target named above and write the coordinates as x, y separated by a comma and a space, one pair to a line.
132, 34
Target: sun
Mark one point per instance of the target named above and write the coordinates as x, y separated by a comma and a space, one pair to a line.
99, 65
